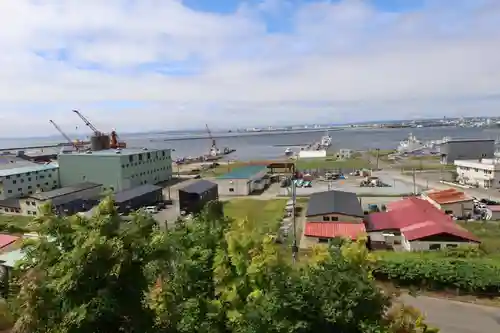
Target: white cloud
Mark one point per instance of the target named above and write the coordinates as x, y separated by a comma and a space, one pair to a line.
349, 57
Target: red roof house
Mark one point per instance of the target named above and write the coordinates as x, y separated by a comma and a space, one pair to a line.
6, 240
326, 230
419, 220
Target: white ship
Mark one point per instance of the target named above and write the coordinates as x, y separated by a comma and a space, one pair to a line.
410, 144
326, 141
288, 152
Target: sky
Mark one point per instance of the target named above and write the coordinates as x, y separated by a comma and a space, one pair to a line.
143, 65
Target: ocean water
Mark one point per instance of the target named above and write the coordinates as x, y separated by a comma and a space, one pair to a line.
264, 146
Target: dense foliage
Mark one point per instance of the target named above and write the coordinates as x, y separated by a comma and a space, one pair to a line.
212, 275
462, 270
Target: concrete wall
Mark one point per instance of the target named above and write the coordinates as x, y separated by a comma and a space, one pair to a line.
233, 186
334, 217
78, 168
30, 206
149, 167
26, 183
312, 153
466, 150
425, 246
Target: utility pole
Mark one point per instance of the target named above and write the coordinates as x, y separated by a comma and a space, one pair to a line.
378, 155
295, 248
414, 184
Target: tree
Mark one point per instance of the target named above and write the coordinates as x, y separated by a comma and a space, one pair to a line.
209, 275
86, 275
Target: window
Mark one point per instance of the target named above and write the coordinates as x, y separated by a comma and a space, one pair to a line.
334, 218
448, 212
326, 218
140, 157
14, 181
435, 247
322, 240
131, 158
451, 246
148, 156
231, 189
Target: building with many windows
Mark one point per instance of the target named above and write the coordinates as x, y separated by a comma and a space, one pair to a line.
28, 179
484, 173
116, 169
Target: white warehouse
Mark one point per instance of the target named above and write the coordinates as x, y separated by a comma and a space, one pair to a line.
484, 173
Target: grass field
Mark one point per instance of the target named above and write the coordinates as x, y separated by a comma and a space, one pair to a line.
488, 233
265, 215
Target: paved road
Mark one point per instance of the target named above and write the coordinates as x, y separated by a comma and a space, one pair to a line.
456, 317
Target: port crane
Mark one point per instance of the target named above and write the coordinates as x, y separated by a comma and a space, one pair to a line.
214, 151
71, 142
114, 140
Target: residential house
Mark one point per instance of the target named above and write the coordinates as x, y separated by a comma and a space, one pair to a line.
451, 201
414, 224
483, 173
333, 214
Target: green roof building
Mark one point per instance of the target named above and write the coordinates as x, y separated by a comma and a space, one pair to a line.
116, 169
243, 180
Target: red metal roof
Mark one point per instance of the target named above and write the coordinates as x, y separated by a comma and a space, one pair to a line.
334, 229
417, 218
450, 195
6, 240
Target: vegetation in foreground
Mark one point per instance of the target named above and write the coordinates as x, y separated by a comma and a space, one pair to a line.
15, 224
489, 234
462, 271
213, 275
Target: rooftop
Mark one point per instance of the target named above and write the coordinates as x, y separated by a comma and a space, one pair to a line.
468, 140
114, 152
199, 187
416, 218
334, 229
6, 240
331, 202
49, 195
26, 169
447, 196
126, 195
10, 203
244, 172
9, 259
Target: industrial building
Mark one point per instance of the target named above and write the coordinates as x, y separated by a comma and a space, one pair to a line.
27, 179
243, 180
65, 201
484, 173
138, 197
193, 197
116, 169
466, 149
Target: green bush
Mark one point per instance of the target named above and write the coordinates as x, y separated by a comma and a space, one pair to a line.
464, 275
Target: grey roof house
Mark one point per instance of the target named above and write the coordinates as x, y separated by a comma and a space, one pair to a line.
334, 202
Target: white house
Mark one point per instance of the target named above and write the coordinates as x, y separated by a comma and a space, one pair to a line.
483, 173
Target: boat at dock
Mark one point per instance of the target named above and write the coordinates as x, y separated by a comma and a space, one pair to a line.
288, 152
326, 141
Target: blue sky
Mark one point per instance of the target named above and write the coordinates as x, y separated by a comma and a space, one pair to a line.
152, 65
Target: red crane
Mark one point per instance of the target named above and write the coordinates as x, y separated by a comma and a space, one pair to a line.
114, 140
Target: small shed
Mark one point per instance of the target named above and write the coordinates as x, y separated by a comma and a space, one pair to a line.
193, 197
138, 197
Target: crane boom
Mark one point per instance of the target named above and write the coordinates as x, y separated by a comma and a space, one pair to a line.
214, 144
87, 122
63, 134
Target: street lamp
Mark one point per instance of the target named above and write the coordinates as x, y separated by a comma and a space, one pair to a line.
295, 248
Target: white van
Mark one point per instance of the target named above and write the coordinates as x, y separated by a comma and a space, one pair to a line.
151, 209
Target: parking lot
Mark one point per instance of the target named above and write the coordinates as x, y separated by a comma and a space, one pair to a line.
352, 184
